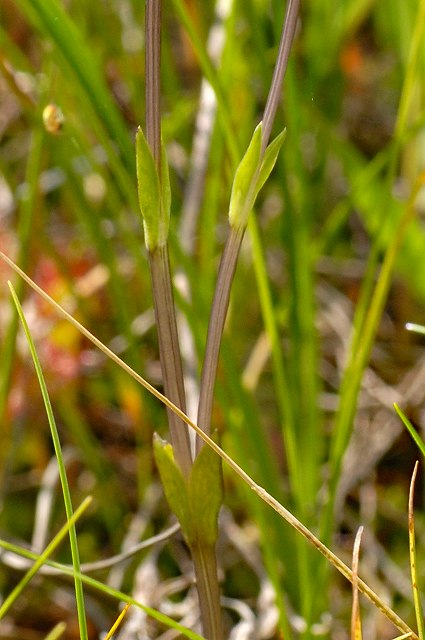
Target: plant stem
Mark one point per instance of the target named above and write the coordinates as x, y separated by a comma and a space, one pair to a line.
203, 557
152, 75
215, 329
273, 99
205, 564
231, 252
159, 263
169, 351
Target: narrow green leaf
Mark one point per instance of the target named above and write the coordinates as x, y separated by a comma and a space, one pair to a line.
103, 588
56, 632
411, 429
79, 594
244, 183
173, 482
251, 175
51, 547
269, 160
148, 189
206, 496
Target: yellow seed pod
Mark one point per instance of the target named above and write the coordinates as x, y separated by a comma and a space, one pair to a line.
53, 118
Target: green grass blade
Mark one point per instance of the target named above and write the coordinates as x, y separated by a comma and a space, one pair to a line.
360, 350
62, 471
56, 632
103, 588
42, 558
411, 429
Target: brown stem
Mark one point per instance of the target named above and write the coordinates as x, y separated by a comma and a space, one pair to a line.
165, 316
205, 563
231, 251
169, 352
218, 315
273, 99
152, 75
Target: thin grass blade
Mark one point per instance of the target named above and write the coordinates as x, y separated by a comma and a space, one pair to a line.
103, 588
411, 429
413, 564
42, 559
56, 632
79, 595
356, 624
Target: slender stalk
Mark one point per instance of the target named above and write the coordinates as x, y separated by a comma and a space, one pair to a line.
163, 299
205, 564
413, 559
215, 329
152, 75
230, 255
273, 99
203, 557
171, 365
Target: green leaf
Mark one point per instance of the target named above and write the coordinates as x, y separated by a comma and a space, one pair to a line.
205, 496
251, 175
411, 429
269, 160
79, 594
244, 183
173, 482
148, 190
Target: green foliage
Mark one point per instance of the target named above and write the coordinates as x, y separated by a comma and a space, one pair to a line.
197, 500
332, 241
174, 484
154, 194
251, 174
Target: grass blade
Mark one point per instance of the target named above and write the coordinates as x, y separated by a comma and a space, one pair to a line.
40, 560
62, 471
103, 588
411, 429
356, 625
56, 632
413, 564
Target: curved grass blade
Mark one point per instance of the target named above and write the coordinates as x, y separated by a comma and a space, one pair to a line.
411, 429
42, 559
356, 625
103, 588
413, 564
56, 632
117, 622
79, 595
